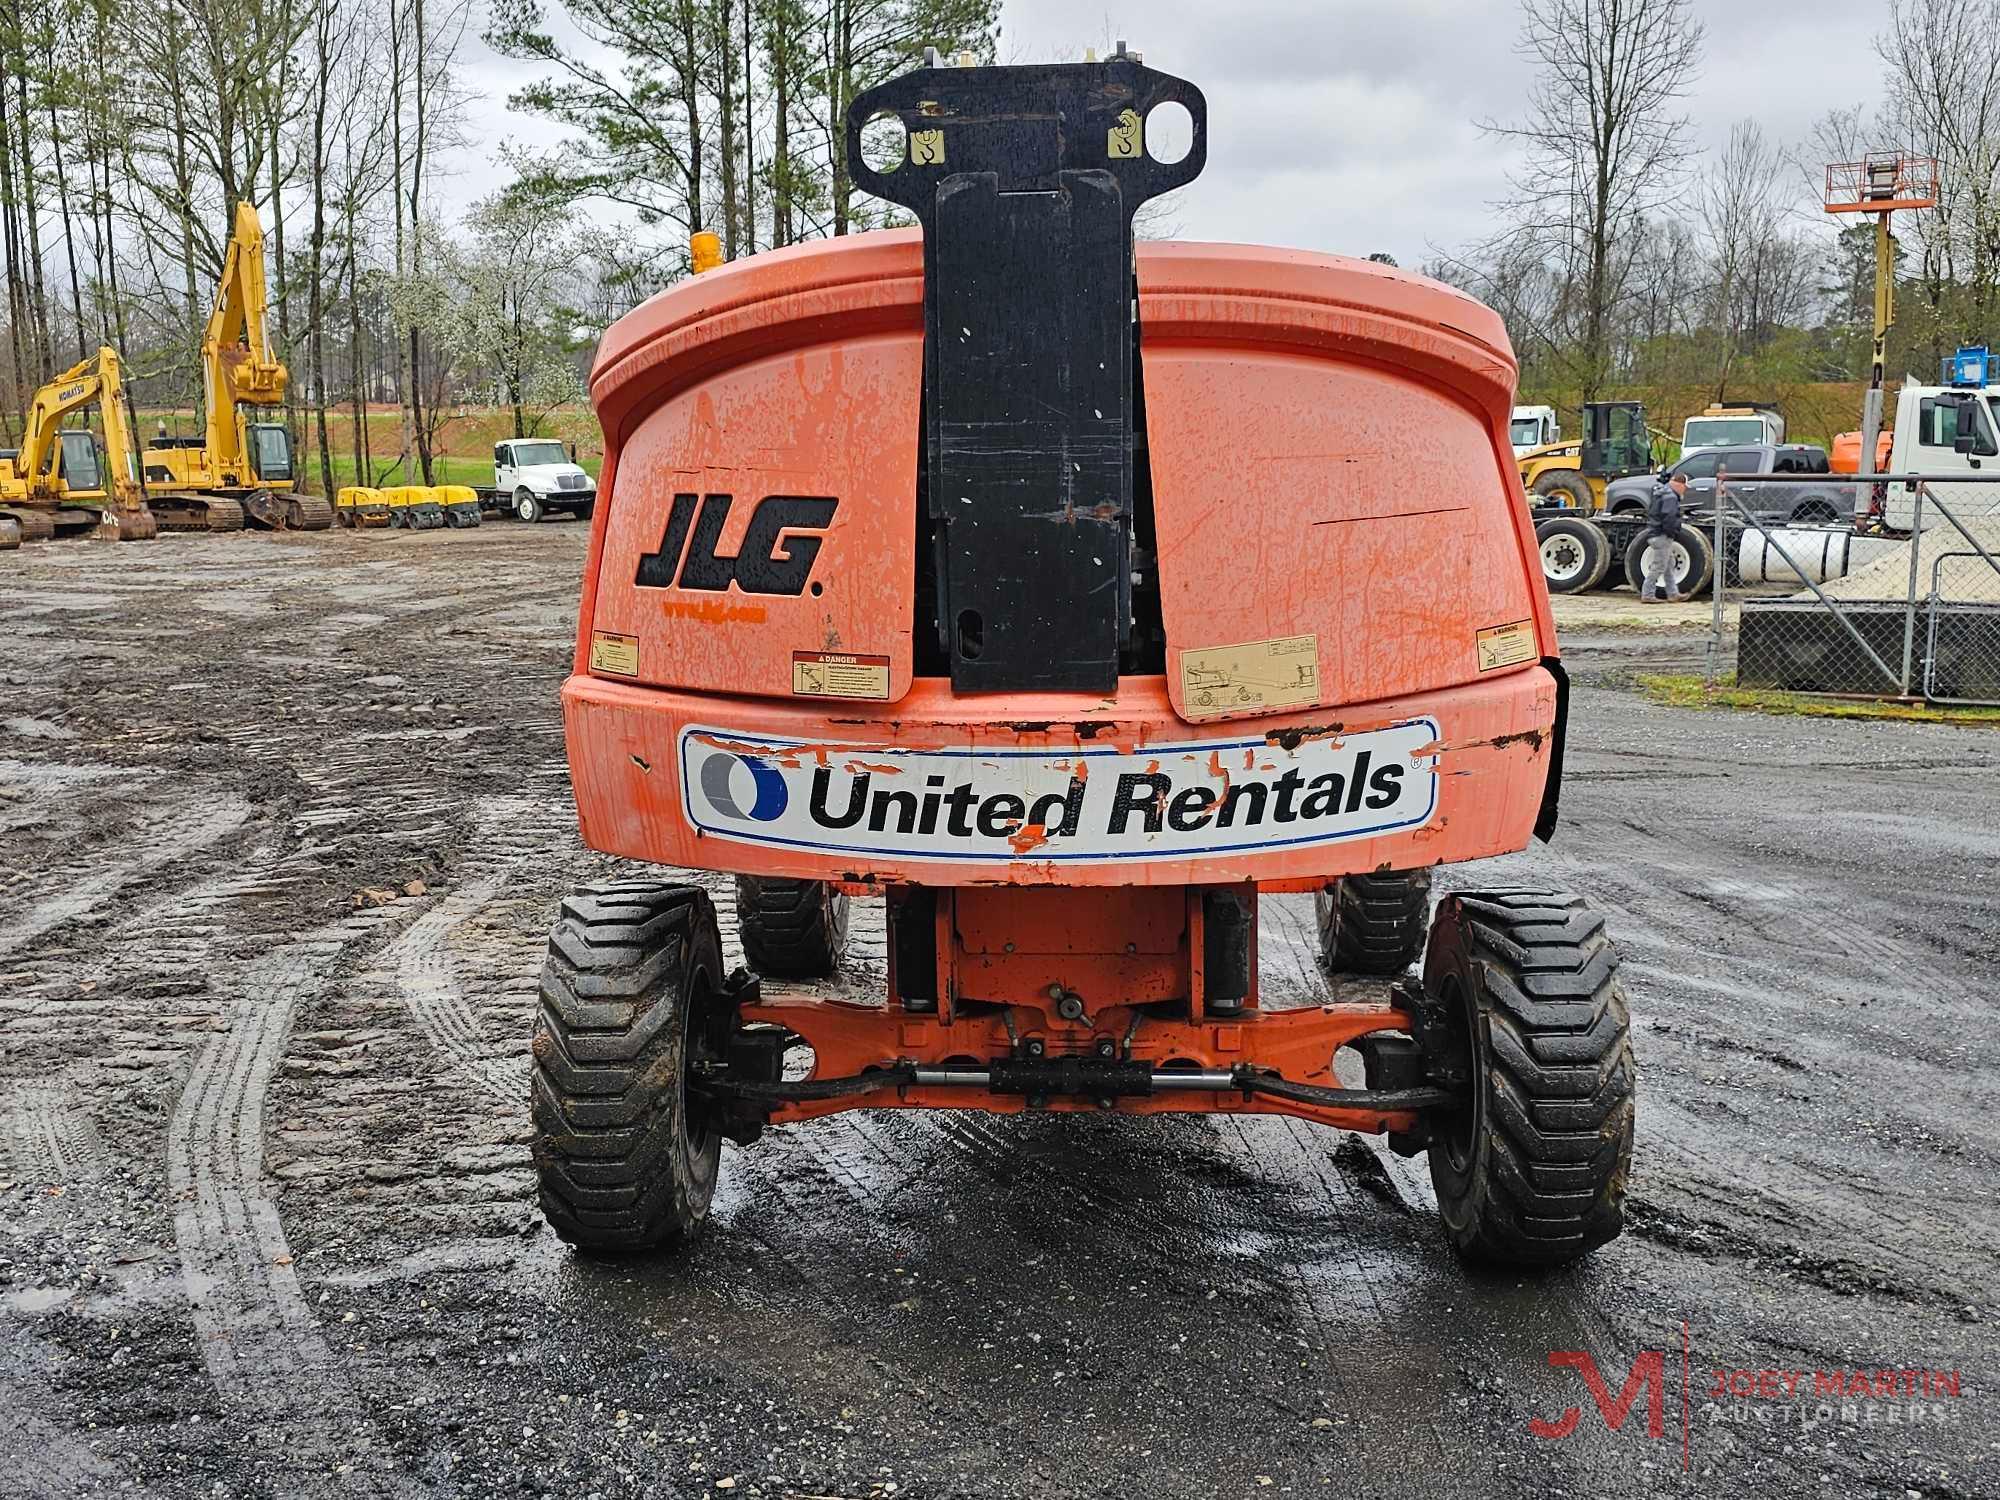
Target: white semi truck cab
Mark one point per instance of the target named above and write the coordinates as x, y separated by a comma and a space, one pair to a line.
534, 477
1533, 427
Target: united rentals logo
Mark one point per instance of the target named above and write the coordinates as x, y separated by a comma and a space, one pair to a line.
1164, 802
776, 557
722, 775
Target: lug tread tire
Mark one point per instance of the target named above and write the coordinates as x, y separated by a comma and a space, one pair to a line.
1554, 1146
791, 929
610, 1050
1373, 924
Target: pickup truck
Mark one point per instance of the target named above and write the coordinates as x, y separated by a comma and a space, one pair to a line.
535, 477
1789, 504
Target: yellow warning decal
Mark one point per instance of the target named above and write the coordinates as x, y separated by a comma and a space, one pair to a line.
839, 674
1127, 138
1257, 675
927, 148
1506, 645
613, 653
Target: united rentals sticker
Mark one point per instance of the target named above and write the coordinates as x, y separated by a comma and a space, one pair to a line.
1158, 803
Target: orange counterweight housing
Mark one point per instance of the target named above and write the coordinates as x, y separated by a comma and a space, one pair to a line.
1360, 667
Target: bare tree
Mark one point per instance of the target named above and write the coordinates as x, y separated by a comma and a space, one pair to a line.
1604, 145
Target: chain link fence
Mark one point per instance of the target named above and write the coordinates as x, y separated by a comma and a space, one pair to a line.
1884, 586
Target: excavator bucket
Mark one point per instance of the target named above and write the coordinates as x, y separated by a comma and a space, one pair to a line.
126, 523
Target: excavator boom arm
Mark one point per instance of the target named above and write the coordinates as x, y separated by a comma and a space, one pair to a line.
98, 382
238, 365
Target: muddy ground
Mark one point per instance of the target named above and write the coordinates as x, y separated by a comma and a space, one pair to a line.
267, 1225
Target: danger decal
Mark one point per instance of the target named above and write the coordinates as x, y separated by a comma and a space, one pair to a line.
1165, 802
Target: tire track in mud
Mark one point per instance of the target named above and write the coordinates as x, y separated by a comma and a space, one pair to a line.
51, 1137
264, 1350
157, 839
509, 832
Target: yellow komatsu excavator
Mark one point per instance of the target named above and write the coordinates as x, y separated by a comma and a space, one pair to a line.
54, 482
239, 469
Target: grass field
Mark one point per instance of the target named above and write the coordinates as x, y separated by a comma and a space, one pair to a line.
463, 453
1690, 691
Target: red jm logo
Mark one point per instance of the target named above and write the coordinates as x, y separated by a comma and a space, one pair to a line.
1649, 1371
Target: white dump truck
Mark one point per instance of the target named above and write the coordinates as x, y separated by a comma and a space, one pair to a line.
535, 477
1733, 427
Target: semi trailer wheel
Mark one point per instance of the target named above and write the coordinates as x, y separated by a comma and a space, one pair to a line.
1373, 924
1566, 485
791, 929
629, 989
1694, 562
1530, 1169
1576, 554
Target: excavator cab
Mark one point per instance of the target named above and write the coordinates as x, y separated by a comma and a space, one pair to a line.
77, 463
269, 446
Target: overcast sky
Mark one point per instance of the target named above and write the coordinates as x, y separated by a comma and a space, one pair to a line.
1349, 127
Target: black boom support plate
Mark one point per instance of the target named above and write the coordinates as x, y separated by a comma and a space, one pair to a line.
1025, 180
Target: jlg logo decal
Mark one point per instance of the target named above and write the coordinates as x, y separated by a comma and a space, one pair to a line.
776, 556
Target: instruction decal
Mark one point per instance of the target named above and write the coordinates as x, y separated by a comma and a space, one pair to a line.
839, 674
1255, 677
614, 654
1507, 645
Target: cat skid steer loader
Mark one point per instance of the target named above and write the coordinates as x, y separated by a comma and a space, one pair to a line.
1078, 604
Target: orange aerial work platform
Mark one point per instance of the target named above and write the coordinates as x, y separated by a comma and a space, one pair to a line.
1075, 596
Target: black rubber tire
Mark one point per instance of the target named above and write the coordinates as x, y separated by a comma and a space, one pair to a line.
1701, 562
1815, 513
1373, 924
791, 929
626, 995
1573, 539
585, 512
1532, 1171
527, 505
1568, 484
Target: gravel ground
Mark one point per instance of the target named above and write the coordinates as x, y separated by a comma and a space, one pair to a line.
283, 821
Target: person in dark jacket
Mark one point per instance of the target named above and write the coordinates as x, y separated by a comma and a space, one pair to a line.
1663, 524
